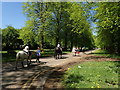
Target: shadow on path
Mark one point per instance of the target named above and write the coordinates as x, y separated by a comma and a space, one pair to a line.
15, 79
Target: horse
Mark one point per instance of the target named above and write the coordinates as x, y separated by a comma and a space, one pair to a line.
21, 56
57, 52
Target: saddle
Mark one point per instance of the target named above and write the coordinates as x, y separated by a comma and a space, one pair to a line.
26, 52
59, 49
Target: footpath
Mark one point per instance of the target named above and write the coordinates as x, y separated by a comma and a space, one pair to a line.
35, 76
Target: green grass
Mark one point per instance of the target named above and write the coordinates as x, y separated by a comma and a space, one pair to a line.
92, 75
3, 51
11, 56
105, 53
8, 57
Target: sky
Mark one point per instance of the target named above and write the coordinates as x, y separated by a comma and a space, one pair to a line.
12, 14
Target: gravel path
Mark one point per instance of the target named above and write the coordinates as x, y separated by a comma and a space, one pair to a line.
36, 75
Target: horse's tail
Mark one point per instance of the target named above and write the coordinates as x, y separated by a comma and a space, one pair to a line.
17, 56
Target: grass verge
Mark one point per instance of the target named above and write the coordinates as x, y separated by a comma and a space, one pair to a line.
92, 75
105, 53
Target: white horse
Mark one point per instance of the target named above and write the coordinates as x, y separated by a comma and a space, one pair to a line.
21, 56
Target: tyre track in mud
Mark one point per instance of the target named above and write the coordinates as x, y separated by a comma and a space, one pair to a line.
34, 79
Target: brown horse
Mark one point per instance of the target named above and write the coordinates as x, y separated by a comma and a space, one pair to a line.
57, 52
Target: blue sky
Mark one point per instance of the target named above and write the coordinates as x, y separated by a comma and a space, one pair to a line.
12, 14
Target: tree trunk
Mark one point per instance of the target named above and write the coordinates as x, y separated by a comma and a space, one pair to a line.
57, 40
65, 41
71, 41
42, 41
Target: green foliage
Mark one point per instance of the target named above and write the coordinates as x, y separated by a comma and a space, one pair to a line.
37, 12
92, 75
105, 53
27, 35
79, 22
10, 37
54, 22
108, 22
80, 27
58, 24
8, 57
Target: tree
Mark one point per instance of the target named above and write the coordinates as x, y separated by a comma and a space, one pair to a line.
107, 20
56, 18
81, 32
28, 36
37, 14
54, 22
59, 22
0, 39
9, 37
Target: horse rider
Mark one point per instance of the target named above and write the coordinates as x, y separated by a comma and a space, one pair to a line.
26, 49
58, 45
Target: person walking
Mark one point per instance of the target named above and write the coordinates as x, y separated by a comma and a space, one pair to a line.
38, 54
74, 50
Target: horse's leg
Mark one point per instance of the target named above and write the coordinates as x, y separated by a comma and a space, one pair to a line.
22, 64
29, 59
16, 65
58, 55
61, 55
17, 58
55, 55
28, 62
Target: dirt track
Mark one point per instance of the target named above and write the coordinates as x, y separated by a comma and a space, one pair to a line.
43, 75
